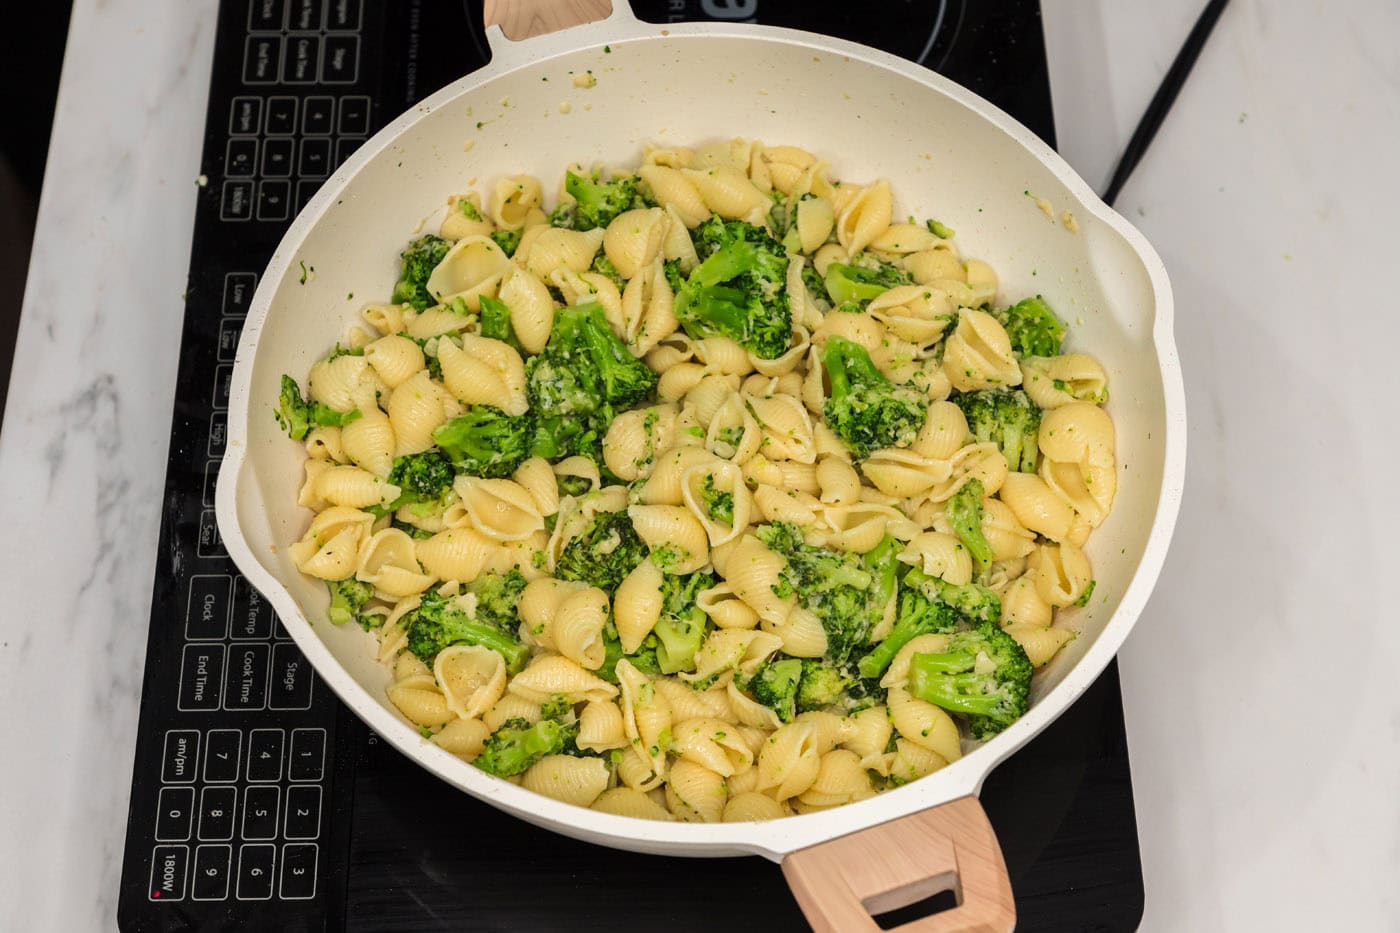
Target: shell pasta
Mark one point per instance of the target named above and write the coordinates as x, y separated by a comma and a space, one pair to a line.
721, 489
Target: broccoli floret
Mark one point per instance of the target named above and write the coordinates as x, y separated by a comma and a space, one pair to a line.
598, 203
859, 283
495, 323
1008, 419
296, 415
644, 659
564, 215
507, 240
822, 685
983, 676
468, 209
775, 686
816, 287
440, 622
972, 601
964, 510
1033, 328
423, 477
420, 258
603, 553
884, 565
517, 745
940, 231
835, 586
918, 615
348, 597
486, 441
739, 289
719, 505
866, 410
584, 375
681, 627
497, 595
604, 266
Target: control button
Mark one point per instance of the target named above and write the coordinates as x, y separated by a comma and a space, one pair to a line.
241, 157
345, 148
298, 872
245, 116
308, 755
179, 761
210, 543
252, 614
238, 292
340, 60
277, 158
317, 116
266, 15
201, 676
292, 678
281, 116
206, 610
218, 434
245, 680
261, 57
174, 814
236, 200
354, 116
211, 483
274, 200
217, 812
306, 14
229, 332
303, 819
260, 812
315, 161
306, 190
211, 871
255, 867
221, 751
168, 865
223, 385
265, 754
301, 57
344, 15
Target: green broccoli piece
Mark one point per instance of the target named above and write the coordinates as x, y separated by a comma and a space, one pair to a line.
1033, 328
497, 595
816, 287
835, 586
584, 375
1008, 419
340, 351
564, 215
598, 203
440, 622
973, 601
1083, 599
964, 510
739, 289
918, 615
348, 597
517, 745
603, 553
861, 282
885, 567
495, 323
822, 685
507, 240
413, 531
423, 477
604, 266
296, 415
775, 685
420, 258
983, 676
468, 209
681, 627
940, 231
864, 409
486, 441
718, 505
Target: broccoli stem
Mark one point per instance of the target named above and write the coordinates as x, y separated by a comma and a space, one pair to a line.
965, 512
942, 679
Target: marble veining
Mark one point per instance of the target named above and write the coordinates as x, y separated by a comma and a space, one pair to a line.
1262, 717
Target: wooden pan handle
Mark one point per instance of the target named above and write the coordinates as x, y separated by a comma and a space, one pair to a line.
840, 884
521, 19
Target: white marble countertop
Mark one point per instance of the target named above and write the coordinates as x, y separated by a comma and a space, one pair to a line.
1271, 194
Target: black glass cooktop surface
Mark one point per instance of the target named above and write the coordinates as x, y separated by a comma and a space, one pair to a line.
258, 802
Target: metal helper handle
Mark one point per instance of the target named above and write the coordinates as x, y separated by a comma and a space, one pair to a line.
840, 884
522, 19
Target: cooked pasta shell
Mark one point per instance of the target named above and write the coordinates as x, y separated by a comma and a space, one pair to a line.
455, 554
512, 200
637, 605
711, 743
789, 762
1062, 573
694, 793
905, 473
939, 555
552, 675
577, 627
924, 724
387, 560
483, 371
675, 536
394, 358
473, 267
752, 807
1040, 642
578, 781
753, 571
944, 432
499, 509
531, 308
717, 497
841, 779
625, 801
978, 354
464, 738
471, 678
865, 217
917, 313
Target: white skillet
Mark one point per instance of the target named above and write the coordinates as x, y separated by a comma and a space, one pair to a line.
948, 154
